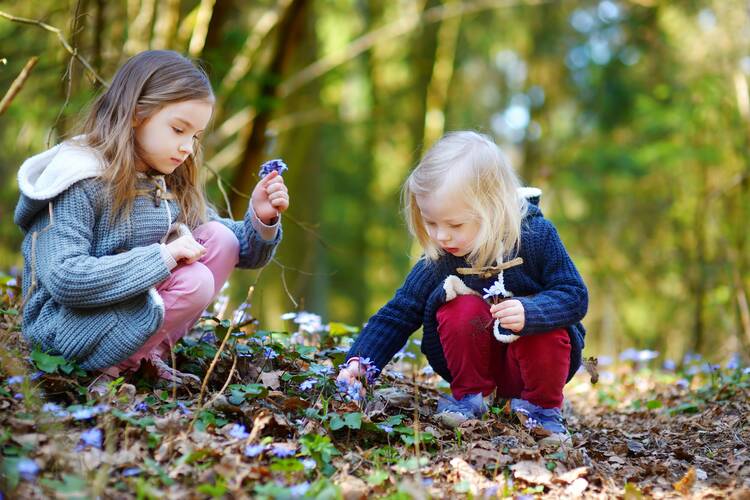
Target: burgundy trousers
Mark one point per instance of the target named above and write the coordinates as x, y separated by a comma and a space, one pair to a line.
534, 367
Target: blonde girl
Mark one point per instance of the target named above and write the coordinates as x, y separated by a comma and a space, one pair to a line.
498, 297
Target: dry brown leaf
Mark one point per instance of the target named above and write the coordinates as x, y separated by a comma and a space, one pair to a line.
271, 379
477, 482
532, 472
570, 476
686, 483
352, 488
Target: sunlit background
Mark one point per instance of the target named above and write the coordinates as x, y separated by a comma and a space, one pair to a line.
633, 117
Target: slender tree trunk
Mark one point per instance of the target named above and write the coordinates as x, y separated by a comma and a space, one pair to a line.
165, 27
139, 31
288, 39
442, 74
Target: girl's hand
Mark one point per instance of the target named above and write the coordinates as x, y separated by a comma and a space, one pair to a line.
186, 249
270, 197
351, 373
510, 313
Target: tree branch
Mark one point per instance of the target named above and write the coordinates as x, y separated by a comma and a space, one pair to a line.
17, 84
73, 51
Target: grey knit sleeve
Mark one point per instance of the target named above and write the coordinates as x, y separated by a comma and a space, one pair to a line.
255, 251
73, 276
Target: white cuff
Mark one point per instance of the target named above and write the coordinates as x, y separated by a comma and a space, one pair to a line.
265, 231
167, 257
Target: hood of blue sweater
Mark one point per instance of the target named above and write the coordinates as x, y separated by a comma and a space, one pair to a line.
44, 176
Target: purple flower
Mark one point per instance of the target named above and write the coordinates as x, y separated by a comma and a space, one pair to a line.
18, 396
27, 469
386, 428
299, 490
54, 409
142, 406
308, 384
269, 353
131, 471
282, 451
253, 450
734, 362
276, 165
309, 464
238, 431
241, 314
90, 412
669, 365
321, 369
16, 379
209, 338
36, 375
183, 409
428, 370
92, 437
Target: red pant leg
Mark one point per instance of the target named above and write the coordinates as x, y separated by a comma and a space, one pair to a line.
535, 368
465, 330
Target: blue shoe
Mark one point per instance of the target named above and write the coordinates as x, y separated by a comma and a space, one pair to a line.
545, 422
452, 412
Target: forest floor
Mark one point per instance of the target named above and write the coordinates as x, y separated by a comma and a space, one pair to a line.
271, 424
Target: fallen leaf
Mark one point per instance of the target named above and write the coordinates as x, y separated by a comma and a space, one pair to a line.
352, 488
271, 379
686, 483
532, 472
576, 488
466, 473
570, 476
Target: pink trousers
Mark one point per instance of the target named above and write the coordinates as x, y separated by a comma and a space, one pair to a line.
188, 291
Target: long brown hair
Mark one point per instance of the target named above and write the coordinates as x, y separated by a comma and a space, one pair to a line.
142, 86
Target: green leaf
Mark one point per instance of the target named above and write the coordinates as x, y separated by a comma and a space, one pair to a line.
377, 478
287, 465
72, 487
653, 404
214, 490
684, 408
353, 420
47, 363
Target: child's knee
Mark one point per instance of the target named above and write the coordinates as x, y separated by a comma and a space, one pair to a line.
466, 313
463, 309
197, 285
219, 237
548, 346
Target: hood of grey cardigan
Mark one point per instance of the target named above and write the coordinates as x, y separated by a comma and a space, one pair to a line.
46, 175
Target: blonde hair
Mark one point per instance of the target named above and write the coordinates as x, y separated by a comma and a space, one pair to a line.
475, 168
141, 87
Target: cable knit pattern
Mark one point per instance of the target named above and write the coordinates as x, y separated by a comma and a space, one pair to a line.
94, 300
547, 284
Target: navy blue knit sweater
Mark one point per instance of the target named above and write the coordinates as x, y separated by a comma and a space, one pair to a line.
547, 284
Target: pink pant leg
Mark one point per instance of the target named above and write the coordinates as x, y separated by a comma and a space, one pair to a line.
189, 289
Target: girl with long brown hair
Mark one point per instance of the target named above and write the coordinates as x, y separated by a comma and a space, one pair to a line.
122, 252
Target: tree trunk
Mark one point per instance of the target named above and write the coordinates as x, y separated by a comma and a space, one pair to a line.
289, 36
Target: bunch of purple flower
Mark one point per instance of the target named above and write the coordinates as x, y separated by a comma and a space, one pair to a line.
276, 165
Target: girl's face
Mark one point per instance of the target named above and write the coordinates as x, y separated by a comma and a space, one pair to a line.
167, 138
449, 221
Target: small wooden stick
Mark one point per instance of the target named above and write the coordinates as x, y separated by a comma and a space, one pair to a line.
486, 272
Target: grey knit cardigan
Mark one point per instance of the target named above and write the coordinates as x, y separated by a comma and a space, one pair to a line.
89, 278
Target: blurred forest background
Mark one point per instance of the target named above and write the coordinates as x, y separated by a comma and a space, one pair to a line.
632, 116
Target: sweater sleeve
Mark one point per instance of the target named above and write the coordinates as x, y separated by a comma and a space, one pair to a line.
564, 299
255, 250
389, 329
74, 277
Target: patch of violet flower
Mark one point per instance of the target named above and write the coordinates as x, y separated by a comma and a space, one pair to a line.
253, 450
131, 471
238, 431
309, 464
275, 165
27, 468
299, 490
89, 412
269, 353
282, 451
308, 384
90, 438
